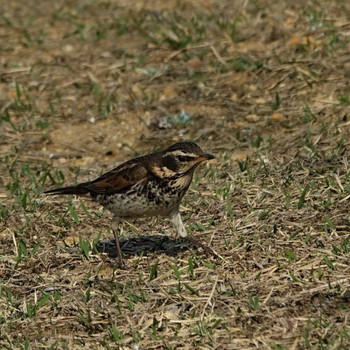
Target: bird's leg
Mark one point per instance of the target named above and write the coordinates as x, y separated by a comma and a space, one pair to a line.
180, 228
115, 226
177, 221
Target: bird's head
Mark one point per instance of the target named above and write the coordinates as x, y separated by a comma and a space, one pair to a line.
182, 158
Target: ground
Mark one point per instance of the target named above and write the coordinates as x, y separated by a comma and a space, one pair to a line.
263, 85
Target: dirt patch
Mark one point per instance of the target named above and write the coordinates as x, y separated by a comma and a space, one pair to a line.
107, 139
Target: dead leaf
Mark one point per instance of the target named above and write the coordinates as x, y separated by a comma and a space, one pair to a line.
240, 155
194, 62
168, 93
71, 241
260, 101
277, 117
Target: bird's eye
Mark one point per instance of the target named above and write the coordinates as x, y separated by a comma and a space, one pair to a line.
184, 158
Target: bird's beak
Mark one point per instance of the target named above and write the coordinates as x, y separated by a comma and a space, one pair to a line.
205, 156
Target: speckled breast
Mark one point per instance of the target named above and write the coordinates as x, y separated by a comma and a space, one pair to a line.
151, 199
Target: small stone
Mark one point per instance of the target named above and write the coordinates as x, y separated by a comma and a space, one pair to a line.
68, 48
252, 118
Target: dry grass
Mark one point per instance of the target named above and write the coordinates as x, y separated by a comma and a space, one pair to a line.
261, 84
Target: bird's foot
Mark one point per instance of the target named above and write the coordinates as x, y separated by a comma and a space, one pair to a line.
122, 264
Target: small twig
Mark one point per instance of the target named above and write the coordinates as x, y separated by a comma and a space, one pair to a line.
217, 55
210, 297
67, 156
68, 83
344, 199
14, 242
136, 229
268, 296
189, 48
17, 70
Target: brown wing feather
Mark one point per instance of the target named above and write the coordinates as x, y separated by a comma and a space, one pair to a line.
118, 179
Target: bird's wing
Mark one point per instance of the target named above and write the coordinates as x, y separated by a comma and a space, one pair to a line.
118, 179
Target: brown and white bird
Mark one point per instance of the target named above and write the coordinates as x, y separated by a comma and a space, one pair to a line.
151, 185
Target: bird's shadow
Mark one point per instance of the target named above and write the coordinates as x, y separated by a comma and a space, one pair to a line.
144, 245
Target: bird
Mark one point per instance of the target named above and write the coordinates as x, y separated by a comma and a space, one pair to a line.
146, 186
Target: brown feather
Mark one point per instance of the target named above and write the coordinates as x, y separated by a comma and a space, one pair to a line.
114, 181
75, 189
118, 179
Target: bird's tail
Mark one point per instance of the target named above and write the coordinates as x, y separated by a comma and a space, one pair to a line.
75, 189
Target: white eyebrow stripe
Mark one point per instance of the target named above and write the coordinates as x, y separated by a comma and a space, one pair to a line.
181, 153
